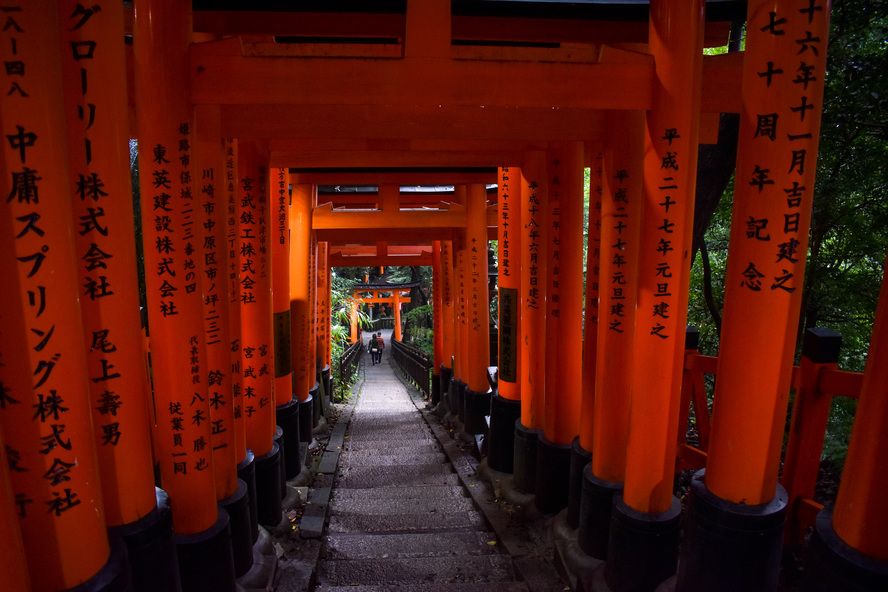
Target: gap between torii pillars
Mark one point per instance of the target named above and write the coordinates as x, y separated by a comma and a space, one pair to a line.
324, 351
437, 324
162, 35
44, 379
303, 362
477, 343
782, 96
564, 319
286, 405
505, 406
620, 228
532, 375
448, 306
646, 516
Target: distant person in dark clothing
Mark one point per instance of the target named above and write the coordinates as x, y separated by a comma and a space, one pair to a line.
381, 348
373, 348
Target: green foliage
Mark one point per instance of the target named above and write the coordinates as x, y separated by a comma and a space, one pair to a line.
418, 324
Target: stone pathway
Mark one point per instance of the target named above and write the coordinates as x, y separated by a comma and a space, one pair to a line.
400, 515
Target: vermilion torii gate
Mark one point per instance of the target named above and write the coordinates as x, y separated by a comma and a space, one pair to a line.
241, 114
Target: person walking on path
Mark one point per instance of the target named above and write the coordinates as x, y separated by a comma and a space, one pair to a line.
381, 348
373, 348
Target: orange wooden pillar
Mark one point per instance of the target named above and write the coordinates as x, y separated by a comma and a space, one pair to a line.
647, 516
437, 324
323, 322
44, 378
458, 384
314, 391
564, 318
620, 229
286, 405
849, 548
505, 406
532, 375
448, 311
581, 454
256, 338
303, 362
783, 73
396, 310
477, 396
13, 563
231, 491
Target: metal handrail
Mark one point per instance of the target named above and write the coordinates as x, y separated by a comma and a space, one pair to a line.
415, 364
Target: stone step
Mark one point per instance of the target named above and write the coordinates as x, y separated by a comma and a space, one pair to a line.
439, 521
386, 476
433, 503
379, 446
406, 457
433, 587
397, 492
400, 546
397, 572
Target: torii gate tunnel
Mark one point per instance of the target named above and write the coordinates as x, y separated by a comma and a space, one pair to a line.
242, 114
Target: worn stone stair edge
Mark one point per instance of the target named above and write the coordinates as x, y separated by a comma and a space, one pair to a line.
525, 565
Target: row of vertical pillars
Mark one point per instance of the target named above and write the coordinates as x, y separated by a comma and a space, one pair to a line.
216, 413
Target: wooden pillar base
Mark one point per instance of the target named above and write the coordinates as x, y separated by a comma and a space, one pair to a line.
730, 546
458, 399
525, 464
237, 506
832, 564
476, 406
282, 465
246, 472
268, 487
288, 420
115, 574
149, 544
206, 561
595, 513
436, 389
446, 375
317, 408
579, 458
552, 475
328, 386
306, 411
501, 440
643, 548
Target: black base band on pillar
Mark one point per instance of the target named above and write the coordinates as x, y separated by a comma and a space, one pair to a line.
552, 475
501, 440
477, 408
205, 558
436, 389
306, 411
579, 458
288, 420
328, 386
446, 375
832, 564
237, 506
115, 574
457, 399
525, 465
596, 502
643, 548
268, 487
316, 407
282, 464
246, 472
149, 544
728, 546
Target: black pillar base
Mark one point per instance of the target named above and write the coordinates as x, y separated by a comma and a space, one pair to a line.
446, 375
728, 546
306, 411
246, 472
832, 564
643, 548
552, 475
477, 408
458, 398
282, 464
115, 574
436, 389
596, 503
501, 440
525, 457
579, 458
328, 386
288, 421
205, 558
268, 487
316, 407
237, 506
149, 545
